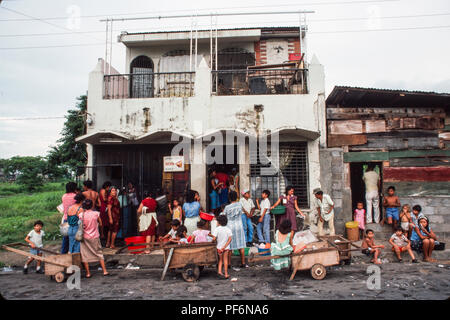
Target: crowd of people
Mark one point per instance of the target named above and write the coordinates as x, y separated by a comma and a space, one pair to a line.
102, 215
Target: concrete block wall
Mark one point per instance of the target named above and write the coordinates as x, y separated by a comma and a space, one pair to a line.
436, 209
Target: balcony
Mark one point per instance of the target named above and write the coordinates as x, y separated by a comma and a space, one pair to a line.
149, 85
259, 80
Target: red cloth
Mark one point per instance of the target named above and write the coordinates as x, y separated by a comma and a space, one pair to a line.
151, 231
115, 214
222, 177
150, 203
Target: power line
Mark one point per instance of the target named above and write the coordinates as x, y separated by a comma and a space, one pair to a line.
228, 24
56, 46
206, 9
31, 118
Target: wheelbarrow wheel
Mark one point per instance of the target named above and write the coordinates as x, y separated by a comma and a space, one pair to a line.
191, 273
318, 271
59, 277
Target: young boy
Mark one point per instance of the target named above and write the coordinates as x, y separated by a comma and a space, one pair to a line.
391, 202
400, 243
248, 209
34, 238
222, 234
369, 247
405, 219
172, 234
263, 227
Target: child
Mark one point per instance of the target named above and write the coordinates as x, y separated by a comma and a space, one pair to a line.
391, 202
417, 214
282, 246
360, 215
401, 243
423, 239
181, 236
369, 247
172, 234
201, 234
263, 227
405, 219
34, 238
176, 211
222, 234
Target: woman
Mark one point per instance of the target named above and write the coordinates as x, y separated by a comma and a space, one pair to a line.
72, 218
91, 248
214, 195
68, 199
234, 212
133, 203
113, 210
191, 210
290, 201
102, 204
423, 239
282, 245
147, 220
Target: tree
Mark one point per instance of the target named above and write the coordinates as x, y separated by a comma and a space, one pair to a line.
30, 171
68, 155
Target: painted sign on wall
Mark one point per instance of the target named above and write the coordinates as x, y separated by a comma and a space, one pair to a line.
174, 164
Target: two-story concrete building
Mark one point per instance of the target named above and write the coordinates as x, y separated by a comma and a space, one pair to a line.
250, 83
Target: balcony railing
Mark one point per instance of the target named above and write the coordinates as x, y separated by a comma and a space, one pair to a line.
260, 81
149, 85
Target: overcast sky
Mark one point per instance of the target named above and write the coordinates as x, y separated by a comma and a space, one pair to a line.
396, 44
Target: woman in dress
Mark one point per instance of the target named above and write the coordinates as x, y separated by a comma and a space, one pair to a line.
214, 196
73, 218
290, 201
147, 219
282, 245
191, 210
113, 210
102, 204
68, 199
234, 212
91, 248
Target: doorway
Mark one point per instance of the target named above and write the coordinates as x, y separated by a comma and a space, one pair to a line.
357, 185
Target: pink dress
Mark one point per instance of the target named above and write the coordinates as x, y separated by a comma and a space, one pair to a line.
201, 235
359, 216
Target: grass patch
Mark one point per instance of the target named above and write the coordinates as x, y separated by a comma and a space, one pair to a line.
19, 211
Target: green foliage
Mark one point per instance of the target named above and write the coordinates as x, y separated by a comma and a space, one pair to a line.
18, 212
68, 155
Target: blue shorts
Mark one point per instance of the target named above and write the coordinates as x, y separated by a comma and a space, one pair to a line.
35, 251
392, 212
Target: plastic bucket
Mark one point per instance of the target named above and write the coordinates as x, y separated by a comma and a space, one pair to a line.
280, 209
264, 252
352, 230
139, 239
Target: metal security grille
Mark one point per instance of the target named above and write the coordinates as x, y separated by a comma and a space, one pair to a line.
293, 171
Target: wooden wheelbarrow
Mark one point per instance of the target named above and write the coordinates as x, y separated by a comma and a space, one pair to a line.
56, 264
315, 257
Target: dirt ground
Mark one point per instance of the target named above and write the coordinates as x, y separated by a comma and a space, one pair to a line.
398, 281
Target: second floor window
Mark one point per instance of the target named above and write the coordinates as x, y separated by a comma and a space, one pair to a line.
141, 70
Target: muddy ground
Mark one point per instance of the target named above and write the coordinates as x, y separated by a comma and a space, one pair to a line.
398, 281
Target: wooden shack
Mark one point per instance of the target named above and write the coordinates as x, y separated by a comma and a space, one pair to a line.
407, 135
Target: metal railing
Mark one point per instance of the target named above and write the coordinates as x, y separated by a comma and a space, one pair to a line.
148, 85
260, 81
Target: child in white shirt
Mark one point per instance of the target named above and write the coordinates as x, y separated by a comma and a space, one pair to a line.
34, 238
222, 234
263, 227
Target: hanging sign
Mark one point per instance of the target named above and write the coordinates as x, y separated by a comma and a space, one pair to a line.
174, 164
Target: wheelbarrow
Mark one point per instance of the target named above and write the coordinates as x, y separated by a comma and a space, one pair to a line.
56, 264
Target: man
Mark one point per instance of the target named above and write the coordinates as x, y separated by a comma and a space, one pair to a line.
223, 190
372, 181
325, 211
161, 212
248, 209
89, 193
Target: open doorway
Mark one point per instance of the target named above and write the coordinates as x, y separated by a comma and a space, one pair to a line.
230, 169
357, 185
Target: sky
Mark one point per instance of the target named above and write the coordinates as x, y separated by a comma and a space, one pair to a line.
48, 48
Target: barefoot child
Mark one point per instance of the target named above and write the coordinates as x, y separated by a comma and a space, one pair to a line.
423, 239
360, 215
176, 211
369, 247
172, 234
391, 202
405, 219
34, 238
222, 234
400, 243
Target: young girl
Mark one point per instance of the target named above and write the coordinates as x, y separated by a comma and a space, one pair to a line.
181, 237
423, 239
176, 211
405, 219
360, 215
282, 246
201, 234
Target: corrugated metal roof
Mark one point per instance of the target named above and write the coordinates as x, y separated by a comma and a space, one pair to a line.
344, 96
